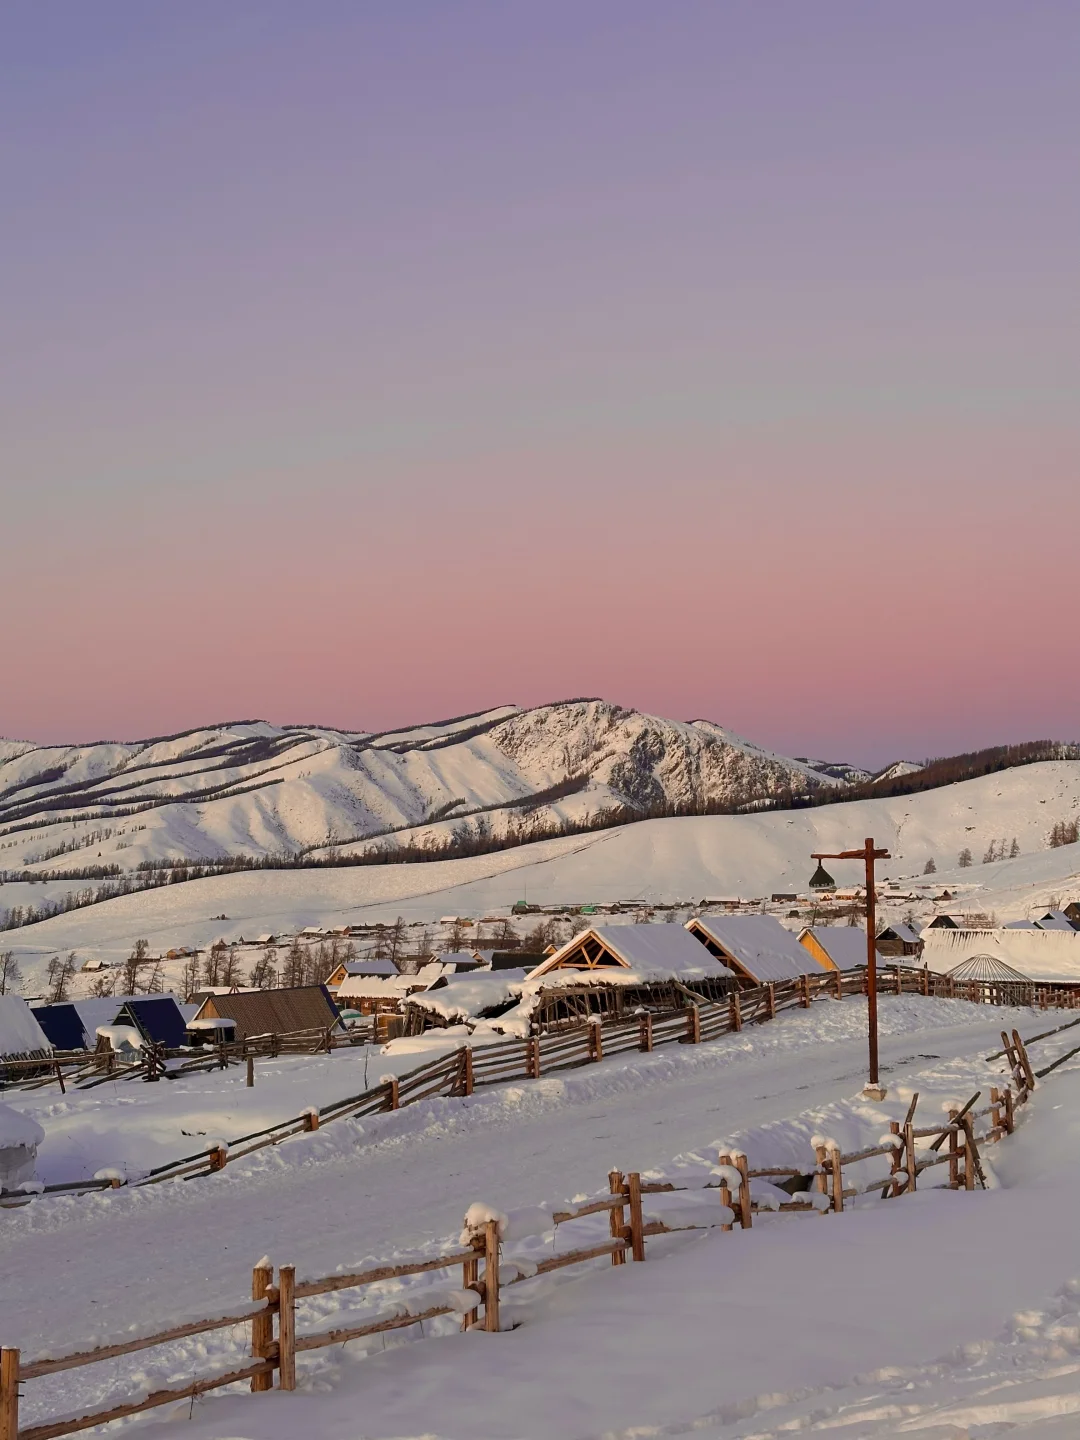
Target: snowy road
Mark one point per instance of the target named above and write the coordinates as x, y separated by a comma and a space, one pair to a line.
393, 1182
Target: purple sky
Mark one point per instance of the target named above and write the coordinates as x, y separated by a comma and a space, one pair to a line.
365, 364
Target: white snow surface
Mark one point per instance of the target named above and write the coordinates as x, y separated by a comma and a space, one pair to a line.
887, 1320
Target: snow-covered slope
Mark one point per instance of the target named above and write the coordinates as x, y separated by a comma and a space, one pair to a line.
256, 789
679, 859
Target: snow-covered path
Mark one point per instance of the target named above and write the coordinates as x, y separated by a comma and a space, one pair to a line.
396, 1181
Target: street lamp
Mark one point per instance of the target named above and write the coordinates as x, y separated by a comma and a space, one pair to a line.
874, 1089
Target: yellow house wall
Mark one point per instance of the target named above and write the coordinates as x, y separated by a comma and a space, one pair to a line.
811, 943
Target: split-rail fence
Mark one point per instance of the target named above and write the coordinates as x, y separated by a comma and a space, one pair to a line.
270, 1315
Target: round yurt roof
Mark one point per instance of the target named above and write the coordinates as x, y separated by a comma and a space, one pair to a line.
987, 967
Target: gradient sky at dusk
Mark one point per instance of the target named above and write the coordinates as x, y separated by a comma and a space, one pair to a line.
369, 363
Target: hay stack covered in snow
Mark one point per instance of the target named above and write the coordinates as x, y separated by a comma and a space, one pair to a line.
19, 1141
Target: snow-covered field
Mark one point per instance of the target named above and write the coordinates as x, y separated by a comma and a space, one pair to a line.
889, 1319
657, 860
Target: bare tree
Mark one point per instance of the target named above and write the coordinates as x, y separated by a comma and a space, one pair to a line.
189, 979
264, 972
132, 965
457, 938
292, 973
230, 968
59, 975
397, 940
10, 974
103, 984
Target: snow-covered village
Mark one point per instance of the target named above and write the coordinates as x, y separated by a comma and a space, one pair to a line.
696, 1055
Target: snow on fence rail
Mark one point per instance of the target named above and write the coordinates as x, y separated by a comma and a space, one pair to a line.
461, 1071
636, 1208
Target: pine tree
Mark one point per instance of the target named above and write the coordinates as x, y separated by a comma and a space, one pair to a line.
964, 859
930, 868
1014, 848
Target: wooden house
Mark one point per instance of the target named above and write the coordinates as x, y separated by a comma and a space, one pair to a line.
614, 970
371, 968
836, 947
273, 1012
756, 949
1072, 910
157, 1018
898, 941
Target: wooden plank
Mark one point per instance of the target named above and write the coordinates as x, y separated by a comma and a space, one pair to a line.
287, 1327
1025, 1063
617, 1217
356, 1279
491, 1277
79, 1358
9, 1393
637, 1228
342, 1334
725, 1190
262, 1325
52, 1429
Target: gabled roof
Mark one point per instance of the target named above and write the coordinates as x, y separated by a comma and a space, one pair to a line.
628, 954
1054, 920
274, 1012
754, 946
905, 933
464, 997
845, 945
156, 1017
20, 1033
62, 1025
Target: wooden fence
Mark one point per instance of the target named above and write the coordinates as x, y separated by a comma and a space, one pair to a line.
463, 1070
275, 1341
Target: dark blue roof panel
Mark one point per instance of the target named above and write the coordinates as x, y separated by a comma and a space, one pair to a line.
62, 1026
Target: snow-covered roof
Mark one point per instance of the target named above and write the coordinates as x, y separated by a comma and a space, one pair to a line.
648, 953
465, 996
374, 987
758, 944
1054, 920
17, 1129
20, 1033
987, 967
845, 945
901, 931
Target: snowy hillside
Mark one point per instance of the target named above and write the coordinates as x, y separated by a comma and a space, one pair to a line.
657, 861
256, 789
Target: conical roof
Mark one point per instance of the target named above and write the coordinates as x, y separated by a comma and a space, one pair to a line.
821, 879
987, 967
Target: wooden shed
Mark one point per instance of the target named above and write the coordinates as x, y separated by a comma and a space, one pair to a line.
273, 1012
899, 940
836, 947
614, 970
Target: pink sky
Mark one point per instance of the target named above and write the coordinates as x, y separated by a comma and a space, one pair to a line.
364, 371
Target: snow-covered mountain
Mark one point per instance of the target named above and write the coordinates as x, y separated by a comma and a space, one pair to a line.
252, 788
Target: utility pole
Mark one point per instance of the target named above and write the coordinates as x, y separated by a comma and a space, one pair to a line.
874, 1089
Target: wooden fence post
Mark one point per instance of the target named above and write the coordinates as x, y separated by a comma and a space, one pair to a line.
725, 1190
837, 1180
596, 1041
470, 1275
926, 981
393, 1103
770, 1000
820, 1182
838, 983
637, 1221
909, 1157
735, 1011
617, 1215
534, 1057
645, 1040
893, 1187
219, 1157
491, 1276
804, 985
969, 1161
954, 1152
287, 1327
466, 1070
250, 1081
995, 1114
9, 1394
693, 1025
262, 1326
311, 1119
746, 1217
1025, 1063
1009, 1121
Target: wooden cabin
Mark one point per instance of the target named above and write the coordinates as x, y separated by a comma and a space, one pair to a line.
615, 970
756, 949
273, 1012
898, 941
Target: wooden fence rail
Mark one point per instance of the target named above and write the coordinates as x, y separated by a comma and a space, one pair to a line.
463, 1070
